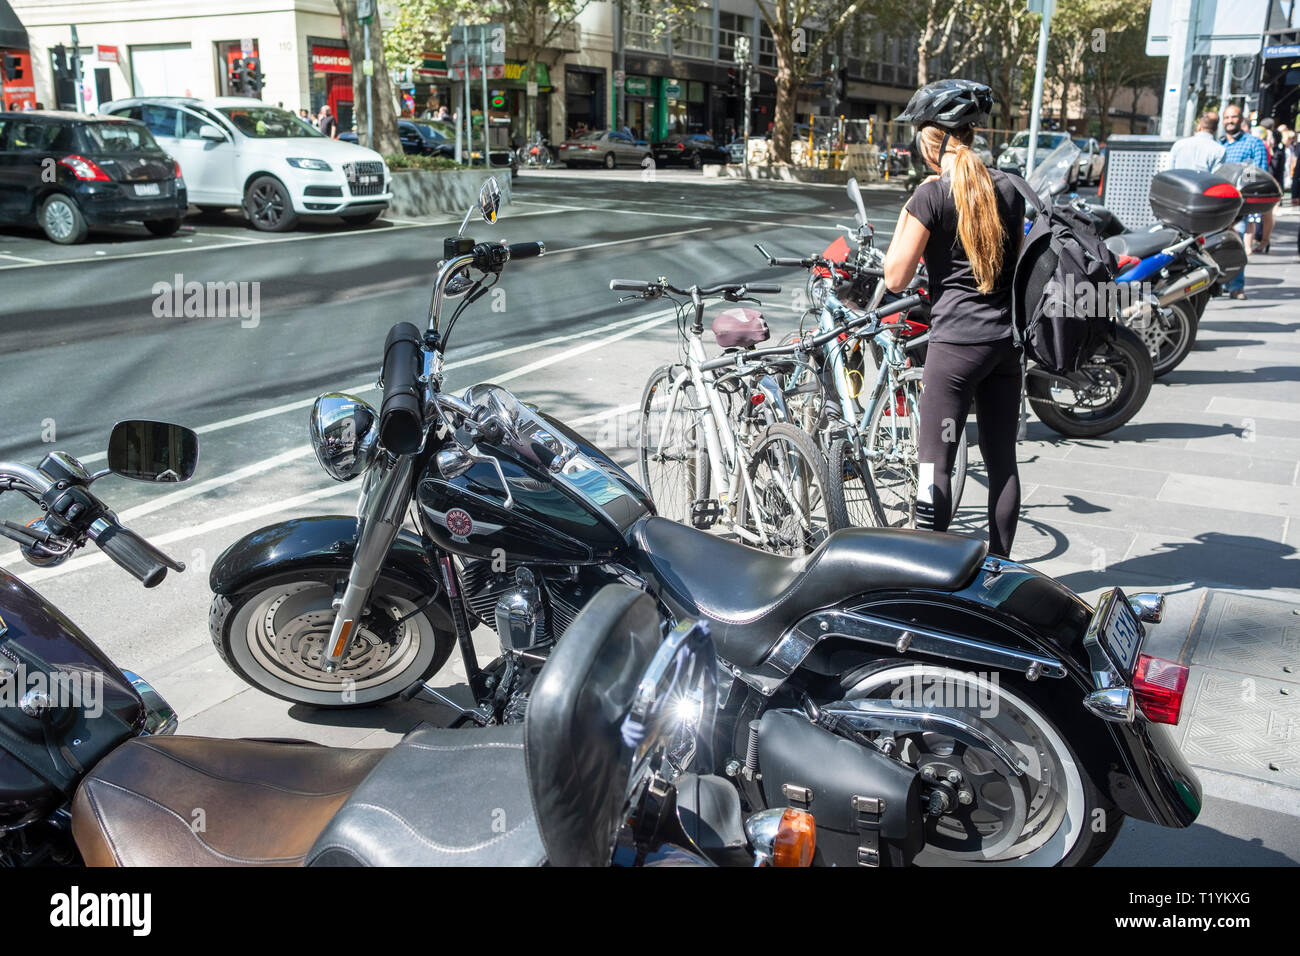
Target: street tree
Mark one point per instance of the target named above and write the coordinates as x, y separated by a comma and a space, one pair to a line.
386, 141
1121, 61
801, 31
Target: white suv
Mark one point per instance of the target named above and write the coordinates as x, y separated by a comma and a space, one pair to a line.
276, 166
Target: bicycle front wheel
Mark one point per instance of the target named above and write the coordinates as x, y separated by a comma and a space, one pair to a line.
673, 457
788, 502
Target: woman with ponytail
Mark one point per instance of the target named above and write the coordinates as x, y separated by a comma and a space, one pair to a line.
967, 221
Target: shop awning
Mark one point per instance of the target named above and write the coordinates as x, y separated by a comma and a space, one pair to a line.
13, 35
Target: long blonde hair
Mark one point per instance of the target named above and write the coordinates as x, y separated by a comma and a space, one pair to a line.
979, 227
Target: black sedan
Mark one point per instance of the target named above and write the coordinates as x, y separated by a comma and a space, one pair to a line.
67, 172
688, 149
425, 139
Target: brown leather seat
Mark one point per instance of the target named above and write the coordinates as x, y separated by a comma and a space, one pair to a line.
201, 801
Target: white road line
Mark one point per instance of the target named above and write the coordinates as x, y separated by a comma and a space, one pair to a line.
716, 219
620, 242
601, 416
181, 534
8, 255
642, 323
369, 386
226, 245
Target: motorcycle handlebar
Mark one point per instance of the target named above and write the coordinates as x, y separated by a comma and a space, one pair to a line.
128, 551
526, 250
401, 423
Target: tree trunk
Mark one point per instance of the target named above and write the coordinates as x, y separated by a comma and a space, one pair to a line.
787, 93
386, 141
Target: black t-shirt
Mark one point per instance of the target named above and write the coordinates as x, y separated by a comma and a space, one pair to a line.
959, 311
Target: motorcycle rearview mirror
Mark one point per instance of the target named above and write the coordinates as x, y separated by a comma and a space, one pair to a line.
152, 451
489, 203
856, 195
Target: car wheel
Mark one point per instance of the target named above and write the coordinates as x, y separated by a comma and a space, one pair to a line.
696, 161
267, 205
62, 220
361, 218
163, 227
610, 161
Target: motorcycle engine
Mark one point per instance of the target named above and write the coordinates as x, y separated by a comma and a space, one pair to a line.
525, 608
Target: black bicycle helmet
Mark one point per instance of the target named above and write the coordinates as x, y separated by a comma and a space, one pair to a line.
950, 104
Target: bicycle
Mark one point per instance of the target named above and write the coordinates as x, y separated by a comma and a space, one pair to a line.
752, 471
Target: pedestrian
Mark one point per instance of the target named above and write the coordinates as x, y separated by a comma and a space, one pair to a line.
1240, 146
303, 114
326, 123
1200, 151
967, 220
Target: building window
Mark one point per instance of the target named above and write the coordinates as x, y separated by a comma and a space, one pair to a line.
730, 26
766, 47
694, 36
638, 32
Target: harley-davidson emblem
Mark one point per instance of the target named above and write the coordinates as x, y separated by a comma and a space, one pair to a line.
459, 523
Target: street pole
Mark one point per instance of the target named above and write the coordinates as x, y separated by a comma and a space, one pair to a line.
1046, 8
482, 52
469, 119
1178, 72
620, 95
370, 113
76, 69
1225, 90
740, 55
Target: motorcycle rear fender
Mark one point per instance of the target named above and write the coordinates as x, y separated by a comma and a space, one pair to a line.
1138, 765
328, 540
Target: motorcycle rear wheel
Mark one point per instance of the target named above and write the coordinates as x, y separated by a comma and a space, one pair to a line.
273, 636
1122, 367
1060, 818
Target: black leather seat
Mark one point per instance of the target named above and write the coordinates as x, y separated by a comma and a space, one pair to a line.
751, 597
1142, 244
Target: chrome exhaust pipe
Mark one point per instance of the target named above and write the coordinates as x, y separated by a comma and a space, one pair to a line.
1185, 286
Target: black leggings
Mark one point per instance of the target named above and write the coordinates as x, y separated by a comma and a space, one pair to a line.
987, 373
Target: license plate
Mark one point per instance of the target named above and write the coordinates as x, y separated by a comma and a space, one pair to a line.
146, 189
369, 180
1121, 632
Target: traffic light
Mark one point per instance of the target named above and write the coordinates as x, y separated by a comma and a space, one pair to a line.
253, 79
733, 83
236, 77
60, 55
13, 67
841, 83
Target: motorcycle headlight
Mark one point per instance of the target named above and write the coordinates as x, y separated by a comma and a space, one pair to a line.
345, 435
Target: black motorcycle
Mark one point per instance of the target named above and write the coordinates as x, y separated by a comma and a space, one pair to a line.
91, 772
924, 701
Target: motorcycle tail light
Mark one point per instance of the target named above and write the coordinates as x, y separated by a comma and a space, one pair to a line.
796, 839
1127, 262
1223, 191
1159, 686
84, 169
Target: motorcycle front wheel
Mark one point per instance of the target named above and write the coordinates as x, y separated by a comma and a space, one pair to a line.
274, 637
1120, 377
1052, 814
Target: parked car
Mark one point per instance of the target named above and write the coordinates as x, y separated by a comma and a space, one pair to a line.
426, 138
688, 149
67, 172
608, 148
270, 162
981, 147
1015, 154
736, 150
1091, 161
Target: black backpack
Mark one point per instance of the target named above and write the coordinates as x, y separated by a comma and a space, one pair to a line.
1062, 290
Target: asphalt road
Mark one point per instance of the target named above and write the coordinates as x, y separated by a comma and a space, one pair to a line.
1199, 492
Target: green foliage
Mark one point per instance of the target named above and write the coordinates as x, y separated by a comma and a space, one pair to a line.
403, 161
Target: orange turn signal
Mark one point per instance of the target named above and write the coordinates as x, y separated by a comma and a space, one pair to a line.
796, 839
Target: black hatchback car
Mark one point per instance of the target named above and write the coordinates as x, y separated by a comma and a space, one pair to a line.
689, 149
67, 172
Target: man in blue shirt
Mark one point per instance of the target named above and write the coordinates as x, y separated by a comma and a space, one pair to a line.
1240, 146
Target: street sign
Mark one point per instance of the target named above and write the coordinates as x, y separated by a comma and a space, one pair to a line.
619, 78
246, 47
365, 9
531, 88
672, 90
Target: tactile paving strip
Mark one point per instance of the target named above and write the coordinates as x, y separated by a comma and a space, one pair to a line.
1242, 714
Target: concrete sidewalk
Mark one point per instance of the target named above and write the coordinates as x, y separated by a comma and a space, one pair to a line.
1198, 497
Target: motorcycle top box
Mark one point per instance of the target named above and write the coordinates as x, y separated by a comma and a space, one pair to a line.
1260, 192
1194, 202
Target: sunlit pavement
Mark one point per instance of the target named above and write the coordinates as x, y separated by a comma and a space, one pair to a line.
1198, 494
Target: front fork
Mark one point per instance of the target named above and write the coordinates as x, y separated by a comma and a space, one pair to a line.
379, 519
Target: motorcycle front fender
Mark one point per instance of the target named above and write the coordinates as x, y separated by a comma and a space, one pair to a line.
1138, 765
299, 543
